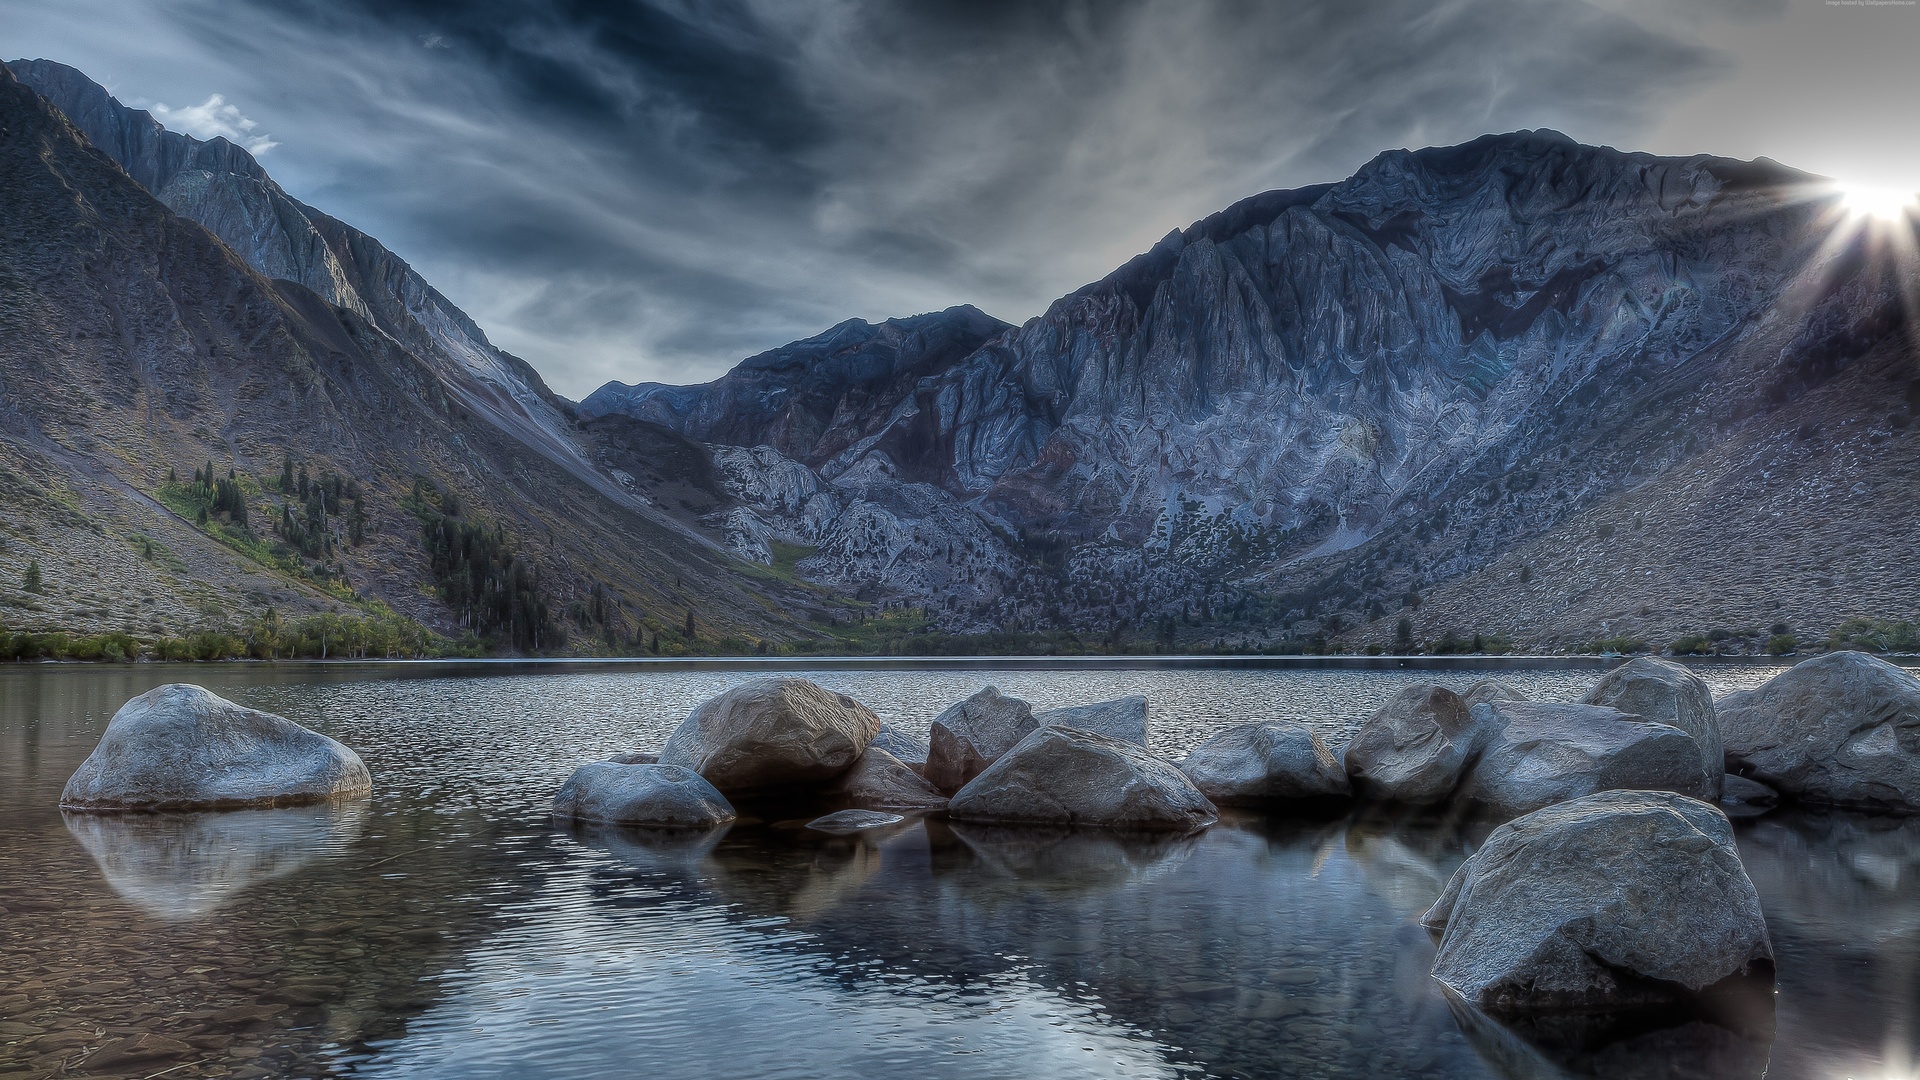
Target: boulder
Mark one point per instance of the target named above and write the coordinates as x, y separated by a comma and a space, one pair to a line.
1061, 776
972, 734
880, 781
910, 750
1614, 900
1667, 693
181, 747
1415, 749
1490, 690
664, 796
635, 757
1121, 718
772, 734
848, 822
1841, 729
1540, 753
1253, 764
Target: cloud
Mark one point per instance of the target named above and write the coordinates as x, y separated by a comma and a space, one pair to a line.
214, 118
654, 189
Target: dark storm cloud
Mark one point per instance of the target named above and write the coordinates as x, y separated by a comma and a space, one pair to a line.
656, 189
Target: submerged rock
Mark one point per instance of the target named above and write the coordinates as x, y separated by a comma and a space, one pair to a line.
973, 734
664, 796
1060, 776
883, 782
1615, 900
1539, 753
1252, 764
911, 751
848, 822
1667, 693
181, 747
1841, 729
772, 734
1415, 749
1121, 718
1741, 797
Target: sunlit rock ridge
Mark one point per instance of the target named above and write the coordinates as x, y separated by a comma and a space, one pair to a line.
1318, 401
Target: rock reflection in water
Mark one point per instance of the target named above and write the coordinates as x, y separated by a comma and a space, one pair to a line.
1672, 1047
179, 867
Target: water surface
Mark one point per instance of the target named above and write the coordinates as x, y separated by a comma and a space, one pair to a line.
448, 928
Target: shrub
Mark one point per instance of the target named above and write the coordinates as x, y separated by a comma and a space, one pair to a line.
1782, 645
1691, 645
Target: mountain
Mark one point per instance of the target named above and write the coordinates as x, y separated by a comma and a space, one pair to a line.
167, 307
1517, 387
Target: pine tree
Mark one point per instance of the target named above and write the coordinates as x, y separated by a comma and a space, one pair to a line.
691, 628
286, 473
32, 583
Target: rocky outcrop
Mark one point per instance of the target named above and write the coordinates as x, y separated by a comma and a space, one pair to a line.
973, 734
1415, 749
1537, 754
881, 781
1741, 797
1062, 777
1257, 764
1617, 900
772, 734
660, 796
1841, 729
1667, 693
1121, 718
181, 747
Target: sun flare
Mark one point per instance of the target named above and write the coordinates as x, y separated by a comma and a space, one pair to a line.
1876, 201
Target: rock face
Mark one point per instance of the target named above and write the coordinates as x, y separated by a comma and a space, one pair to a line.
1415, 749
1841, 729
973, 734
1059, 776
772, 734
1538, 754
662, 796
880, 781
1121, 718
1255, 764
181, 747
1615, 900
1667, 693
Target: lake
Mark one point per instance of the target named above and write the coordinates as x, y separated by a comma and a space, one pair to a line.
447, 927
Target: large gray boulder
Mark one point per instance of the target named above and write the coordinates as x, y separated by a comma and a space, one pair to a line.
1254, 764
772, 734
1060, 776
910, 750
972, 734
664, 796
1667, 693
1841, 729
880, 781
1540, 753
1121, 718
1615, 900
1415, 749
182, 747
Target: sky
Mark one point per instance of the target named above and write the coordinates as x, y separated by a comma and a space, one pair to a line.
656, 189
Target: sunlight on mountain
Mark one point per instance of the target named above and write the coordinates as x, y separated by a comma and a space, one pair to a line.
1876, 201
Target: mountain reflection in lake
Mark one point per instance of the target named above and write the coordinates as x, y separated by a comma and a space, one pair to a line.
447, 927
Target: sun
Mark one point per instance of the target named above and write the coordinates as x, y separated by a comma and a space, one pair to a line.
1876, 201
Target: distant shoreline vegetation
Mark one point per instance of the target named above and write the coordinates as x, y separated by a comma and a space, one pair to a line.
889, 634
